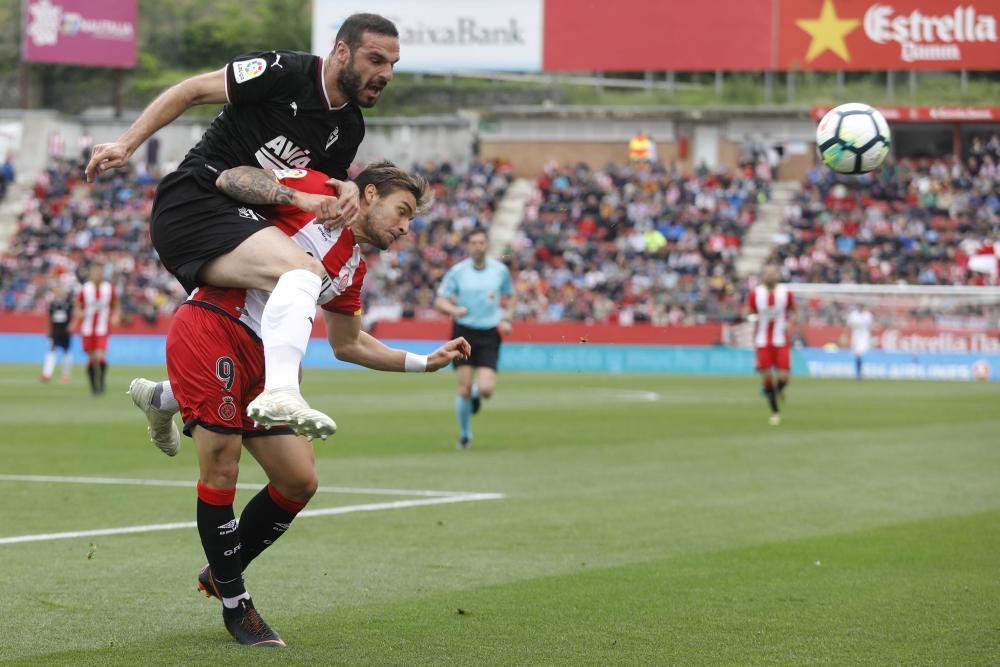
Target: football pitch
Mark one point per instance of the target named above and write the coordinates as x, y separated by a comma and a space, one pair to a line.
598, 520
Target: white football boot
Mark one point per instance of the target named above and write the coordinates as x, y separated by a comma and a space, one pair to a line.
284, 406
162, 430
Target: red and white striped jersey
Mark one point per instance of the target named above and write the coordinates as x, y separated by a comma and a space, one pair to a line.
772, 308
338, 251
95, 302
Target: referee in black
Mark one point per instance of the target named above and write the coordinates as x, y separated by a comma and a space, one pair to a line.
60, 314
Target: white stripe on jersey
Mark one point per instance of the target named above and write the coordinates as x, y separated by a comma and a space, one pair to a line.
96, 308
771, 317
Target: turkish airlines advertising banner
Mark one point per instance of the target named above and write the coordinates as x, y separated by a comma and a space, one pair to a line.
447, 35
696, 35
888, 34
94, 33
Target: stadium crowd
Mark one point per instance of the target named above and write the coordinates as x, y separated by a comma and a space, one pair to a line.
635, 243
627, 243
913, 221
66, 224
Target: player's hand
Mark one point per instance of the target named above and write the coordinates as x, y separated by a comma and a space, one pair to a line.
107, 156
325, 208
505, 327
349, 199
458, 348
460, 311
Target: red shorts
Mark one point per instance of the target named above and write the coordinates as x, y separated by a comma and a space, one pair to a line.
771, 356
216, 367
94, 342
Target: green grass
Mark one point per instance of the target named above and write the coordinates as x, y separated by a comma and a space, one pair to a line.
676, 531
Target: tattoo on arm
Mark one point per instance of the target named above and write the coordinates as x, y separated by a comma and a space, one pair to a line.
252, 185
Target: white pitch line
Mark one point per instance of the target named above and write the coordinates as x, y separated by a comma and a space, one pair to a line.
348, 509
58, 479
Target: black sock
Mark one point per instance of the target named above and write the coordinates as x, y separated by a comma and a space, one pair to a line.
772, 399
781, 385
100, 376
857, 367
92, 377
220, 537
265, 518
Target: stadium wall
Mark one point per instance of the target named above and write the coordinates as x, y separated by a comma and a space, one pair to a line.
578, 347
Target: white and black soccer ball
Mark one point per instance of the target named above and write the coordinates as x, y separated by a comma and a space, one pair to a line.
853, 139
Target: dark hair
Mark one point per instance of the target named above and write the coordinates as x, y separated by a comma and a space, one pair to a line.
387, 178
357, 25
476, 230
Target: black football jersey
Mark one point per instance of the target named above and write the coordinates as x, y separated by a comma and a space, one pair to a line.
278, 117
60, 313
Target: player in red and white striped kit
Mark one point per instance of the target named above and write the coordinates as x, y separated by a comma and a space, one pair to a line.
97, 309
771, 306
215, 362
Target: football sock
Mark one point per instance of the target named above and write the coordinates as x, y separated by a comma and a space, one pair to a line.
857, 367
220, 537
265, 518
92, 376
67, 363
163, 397
102, 373
463, 408
49, 365
772, 395
285, 326
781, 385
475, 391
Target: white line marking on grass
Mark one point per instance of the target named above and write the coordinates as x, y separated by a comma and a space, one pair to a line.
348, 509
58, 479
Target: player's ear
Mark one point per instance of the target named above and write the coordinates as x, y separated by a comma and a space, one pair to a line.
371, 194
341, 52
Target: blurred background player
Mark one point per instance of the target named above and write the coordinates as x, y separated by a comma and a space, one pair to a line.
860, 322
60, 314
471, 294
96, 310
770, 306
278, 104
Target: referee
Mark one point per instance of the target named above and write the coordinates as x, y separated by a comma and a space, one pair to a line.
471, 294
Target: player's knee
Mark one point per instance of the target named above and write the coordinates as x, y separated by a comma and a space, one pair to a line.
486, 390
220, 474
300, 489
301, 262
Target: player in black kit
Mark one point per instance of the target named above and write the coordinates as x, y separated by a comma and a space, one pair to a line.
283, 110
60, 314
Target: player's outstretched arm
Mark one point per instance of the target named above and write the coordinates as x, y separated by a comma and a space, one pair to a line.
355, 346
253, 185
208, 88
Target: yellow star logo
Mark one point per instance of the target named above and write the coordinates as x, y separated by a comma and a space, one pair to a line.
828, 32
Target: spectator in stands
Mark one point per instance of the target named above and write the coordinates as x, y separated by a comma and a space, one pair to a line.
7, 174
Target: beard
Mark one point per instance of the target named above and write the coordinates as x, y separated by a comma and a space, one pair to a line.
351, 85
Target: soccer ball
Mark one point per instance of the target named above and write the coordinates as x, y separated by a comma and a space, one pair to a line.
853, 139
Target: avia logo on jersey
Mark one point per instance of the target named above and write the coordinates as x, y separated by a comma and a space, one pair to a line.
244, 70
281, 153
332, 139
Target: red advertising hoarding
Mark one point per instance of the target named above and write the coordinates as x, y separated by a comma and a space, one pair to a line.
879, 34
955, 114
94, 33
637, 35
706, 35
